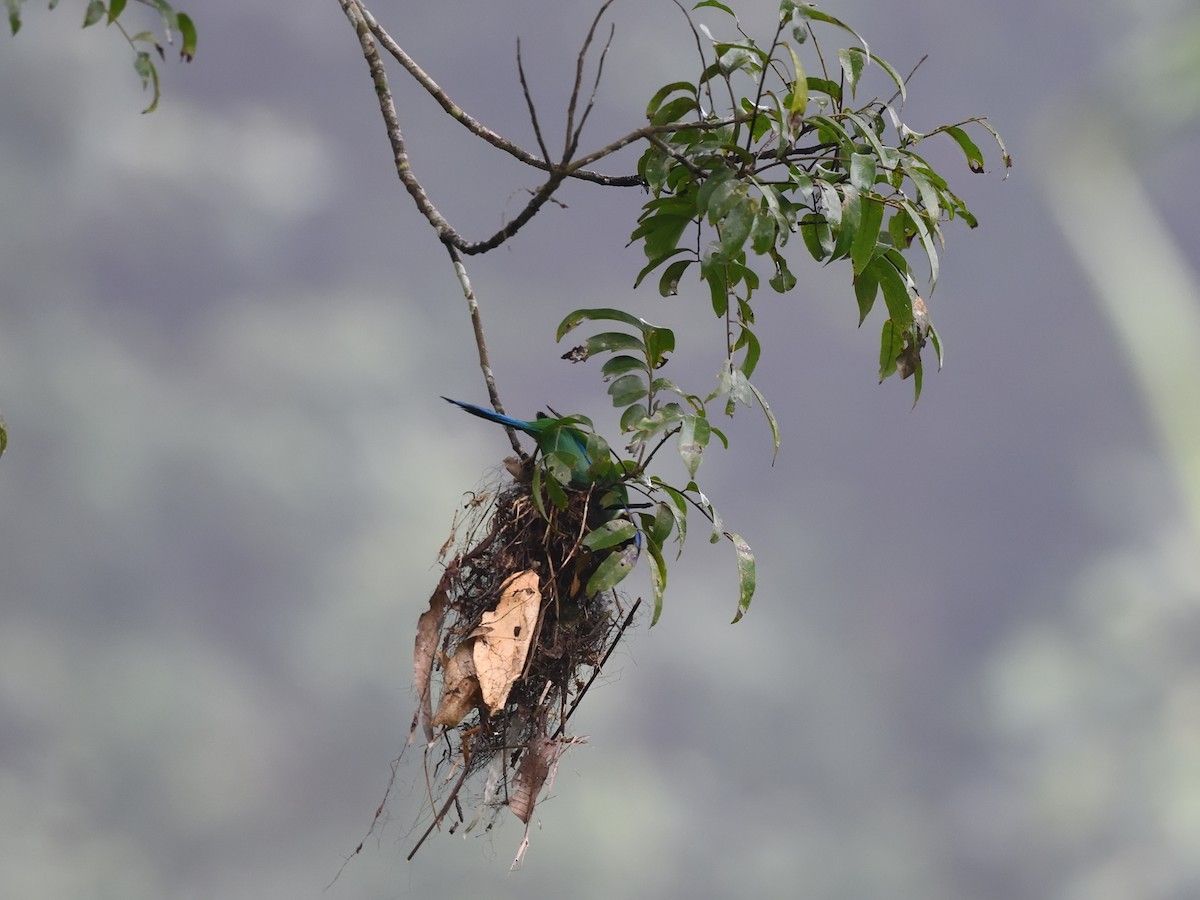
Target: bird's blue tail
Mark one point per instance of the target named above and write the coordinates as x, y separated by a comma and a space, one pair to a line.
490, 415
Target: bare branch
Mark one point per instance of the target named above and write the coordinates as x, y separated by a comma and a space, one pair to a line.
388, 43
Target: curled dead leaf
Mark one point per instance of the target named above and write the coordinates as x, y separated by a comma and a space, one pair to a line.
429, 626
460, 688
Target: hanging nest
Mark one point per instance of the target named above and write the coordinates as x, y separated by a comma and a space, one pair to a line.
510, 644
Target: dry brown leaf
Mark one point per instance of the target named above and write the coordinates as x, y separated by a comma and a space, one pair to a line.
460, 688
540, 760
503, 637
429, 626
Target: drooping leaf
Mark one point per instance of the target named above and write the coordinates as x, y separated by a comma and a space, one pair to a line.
736, 226
866, 286
187, 30
668, 284
612, 570
693, 438
867, 236
852, 61
658, 579
891, 344
799, 86
747, 577
895, 291
96, 10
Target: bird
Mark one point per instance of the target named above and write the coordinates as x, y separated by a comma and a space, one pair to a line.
552, 436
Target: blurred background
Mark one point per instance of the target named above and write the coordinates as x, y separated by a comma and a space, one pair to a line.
971, 667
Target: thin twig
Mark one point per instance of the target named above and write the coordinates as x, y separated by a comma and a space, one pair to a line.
466, 119
572, 134
537, 128
485, 365
596, 671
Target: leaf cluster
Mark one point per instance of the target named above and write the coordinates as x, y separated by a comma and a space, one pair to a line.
654, 409
785, 151
142, 43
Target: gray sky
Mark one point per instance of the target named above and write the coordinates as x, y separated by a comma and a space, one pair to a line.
223, 333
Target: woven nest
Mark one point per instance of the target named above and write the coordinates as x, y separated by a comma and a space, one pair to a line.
510, 644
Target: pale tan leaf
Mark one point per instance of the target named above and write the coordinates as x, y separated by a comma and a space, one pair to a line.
460, 688
503, 637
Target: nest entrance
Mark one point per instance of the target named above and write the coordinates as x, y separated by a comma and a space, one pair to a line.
512, 640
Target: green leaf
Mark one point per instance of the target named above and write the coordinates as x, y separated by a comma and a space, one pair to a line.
678, 509
762, 234
144, 66
3, 436
537, 490
806, 11
771, 420
937, 345
654, 166
753, 350
799, 86
783, 280
610, 341
14, 14
632, 417
866, 286
659, 528
974, 156
825, 86
659, 342
862, 171
610, 534
627, 389
668, 284
662, 233
851, 215
674, 110
852, 61
658, 579
895, 292
747, 578
867, 236
664, 92
611, 571
815, 231
619, 365
926, 242
891, 345
735, 227
95, 12
657, 261
600, 314
187, 52
693, 438
713, 272
716, 5
115, 8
